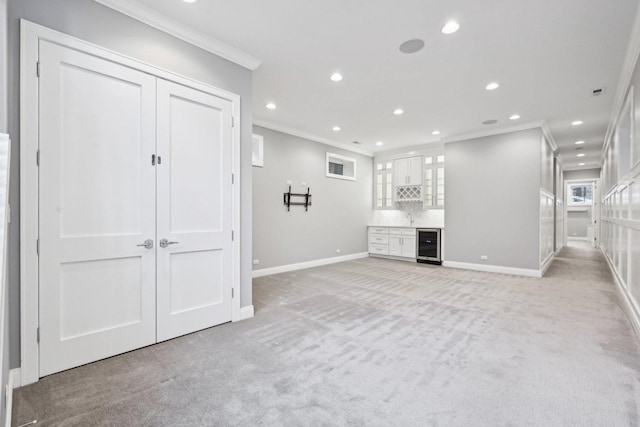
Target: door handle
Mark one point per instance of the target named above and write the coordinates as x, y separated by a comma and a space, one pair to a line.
164, 243
147, 244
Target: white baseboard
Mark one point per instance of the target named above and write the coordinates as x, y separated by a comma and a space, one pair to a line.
630, 306
246, 312
493, 268
13, 383
308, 264
547, 263
586, 239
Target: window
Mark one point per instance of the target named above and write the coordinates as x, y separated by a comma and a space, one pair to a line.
341, 167
580, 195
384, 185
434, 181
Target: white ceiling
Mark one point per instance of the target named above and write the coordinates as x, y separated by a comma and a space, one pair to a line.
547, 56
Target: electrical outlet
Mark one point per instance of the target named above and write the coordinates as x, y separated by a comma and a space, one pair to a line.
304, 184
484, 257
256, 262
289, 182
337, 251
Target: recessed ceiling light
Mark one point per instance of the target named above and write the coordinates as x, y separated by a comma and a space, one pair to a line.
514, 117
492, 86
580, 155
576, 123
398, 111
450, 27
435, 132
336, 77
579, 142
336, 128
412, 152
411, 46
379, 143
271, 106
580, 164
189, 1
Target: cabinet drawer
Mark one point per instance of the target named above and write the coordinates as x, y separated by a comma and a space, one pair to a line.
382, 239
379, 249
403, 231
378, 230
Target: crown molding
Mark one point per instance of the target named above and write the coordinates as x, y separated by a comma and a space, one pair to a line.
163, 23
624, 81
547, 133
499, 131
301, 134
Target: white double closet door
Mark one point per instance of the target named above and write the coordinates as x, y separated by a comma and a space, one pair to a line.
135, 209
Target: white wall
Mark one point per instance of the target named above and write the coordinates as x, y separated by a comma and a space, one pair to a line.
620, 183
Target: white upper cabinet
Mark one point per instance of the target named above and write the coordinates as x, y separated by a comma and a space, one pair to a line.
407, 171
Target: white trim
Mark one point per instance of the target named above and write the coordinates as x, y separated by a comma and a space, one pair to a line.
547, 133
307, 264
12, 384
577, 239
345, 159
30, 35
498, 131
630, 307
624, 81
164, 23
246, 312
493, 268
309, 136
395, 258
547, 263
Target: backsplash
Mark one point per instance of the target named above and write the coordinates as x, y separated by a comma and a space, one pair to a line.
421, 218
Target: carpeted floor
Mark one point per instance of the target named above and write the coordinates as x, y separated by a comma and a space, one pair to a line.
376, 342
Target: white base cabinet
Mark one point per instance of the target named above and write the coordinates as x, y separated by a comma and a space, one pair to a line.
393, 241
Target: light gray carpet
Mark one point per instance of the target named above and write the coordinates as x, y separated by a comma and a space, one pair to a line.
378, 343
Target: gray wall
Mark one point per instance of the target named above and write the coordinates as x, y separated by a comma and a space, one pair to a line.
3, 129
336, 220
492, 205
98, 24
578, 221
582, 174
546, 165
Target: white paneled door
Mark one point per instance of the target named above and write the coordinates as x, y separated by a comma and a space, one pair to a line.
134, 209
194, 210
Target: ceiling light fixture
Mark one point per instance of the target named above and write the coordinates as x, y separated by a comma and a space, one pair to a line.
580, 164
580, 155
336, 77
271, 106
435, 132
492, 86
411, 46
336, 128
576, 123
579, 142
514, 117
412, 152
189, 1
398, 111
450, 27
379, 143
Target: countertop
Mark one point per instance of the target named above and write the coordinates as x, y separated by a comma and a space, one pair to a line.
407, 225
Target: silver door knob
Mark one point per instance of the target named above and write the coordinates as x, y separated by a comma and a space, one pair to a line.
147, 244
164, 243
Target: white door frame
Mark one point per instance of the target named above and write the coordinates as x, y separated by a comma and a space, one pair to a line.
31, 34
595, 208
